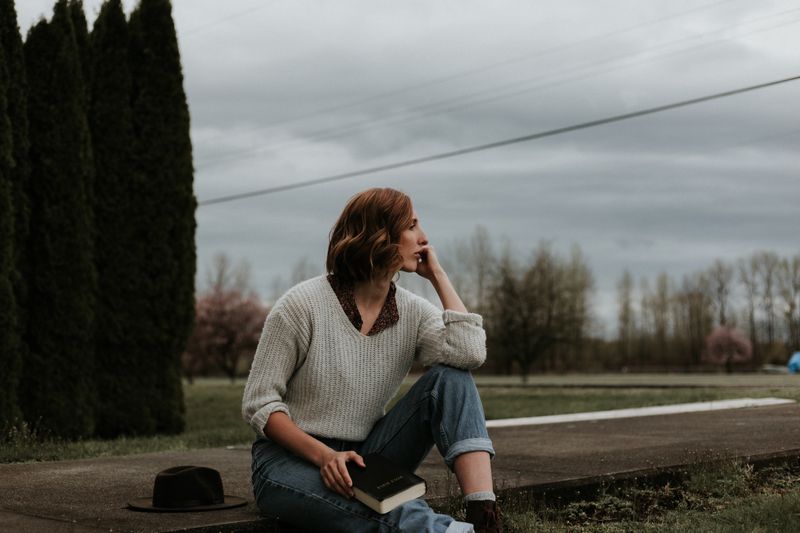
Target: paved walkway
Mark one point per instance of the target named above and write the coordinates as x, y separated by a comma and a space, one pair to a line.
90, 495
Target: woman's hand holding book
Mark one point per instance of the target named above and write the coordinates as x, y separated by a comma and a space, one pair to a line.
334, 471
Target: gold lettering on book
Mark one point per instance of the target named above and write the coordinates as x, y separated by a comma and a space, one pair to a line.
387, 483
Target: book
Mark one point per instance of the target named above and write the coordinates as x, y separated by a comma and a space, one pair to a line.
383, 485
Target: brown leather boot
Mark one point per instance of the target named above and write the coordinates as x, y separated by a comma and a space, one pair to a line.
485, 516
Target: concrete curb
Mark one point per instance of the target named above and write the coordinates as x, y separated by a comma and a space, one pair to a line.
555, 462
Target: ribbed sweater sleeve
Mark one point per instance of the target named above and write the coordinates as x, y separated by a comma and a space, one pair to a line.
451, 337
280, 352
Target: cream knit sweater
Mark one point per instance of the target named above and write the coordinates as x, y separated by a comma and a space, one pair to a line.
314, 365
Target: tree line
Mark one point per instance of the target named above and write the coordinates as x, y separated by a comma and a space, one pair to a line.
96, 222
538, 311
667, 323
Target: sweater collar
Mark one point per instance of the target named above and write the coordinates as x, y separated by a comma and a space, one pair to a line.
387, 317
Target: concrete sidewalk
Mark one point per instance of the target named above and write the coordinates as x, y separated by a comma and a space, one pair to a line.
91, 495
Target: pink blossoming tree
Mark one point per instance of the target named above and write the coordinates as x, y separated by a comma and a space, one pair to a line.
727, 346
227, 329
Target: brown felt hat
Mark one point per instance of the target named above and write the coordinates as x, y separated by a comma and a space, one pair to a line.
185, 489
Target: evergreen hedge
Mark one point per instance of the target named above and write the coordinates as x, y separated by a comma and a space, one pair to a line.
97, 253
164, 160
120, 252
9, 335
81, 28
18, 174
56, 392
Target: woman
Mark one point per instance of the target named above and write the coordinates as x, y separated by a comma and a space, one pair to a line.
334, 351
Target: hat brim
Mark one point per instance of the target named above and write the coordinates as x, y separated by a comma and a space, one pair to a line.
146, 504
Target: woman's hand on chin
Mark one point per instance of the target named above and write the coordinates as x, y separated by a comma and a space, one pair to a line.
429, 267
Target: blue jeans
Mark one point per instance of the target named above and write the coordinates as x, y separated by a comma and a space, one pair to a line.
442, 408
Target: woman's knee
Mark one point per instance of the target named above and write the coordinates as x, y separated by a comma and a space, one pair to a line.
448, 372
448, 376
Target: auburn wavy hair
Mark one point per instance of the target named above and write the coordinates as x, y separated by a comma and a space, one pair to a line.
363, 244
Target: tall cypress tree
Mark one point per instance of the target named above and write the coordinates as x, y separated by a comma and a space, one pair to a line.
164, 155
79, 25
122, 305
9, 335
82, 41
57, 392
19, 174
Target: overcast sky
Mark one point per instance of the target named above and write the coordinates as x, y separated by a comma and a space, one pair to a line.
285, 91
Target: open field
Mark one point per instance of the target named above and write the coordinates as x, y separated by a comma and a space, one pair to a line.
213, 407
509, 397
666, 380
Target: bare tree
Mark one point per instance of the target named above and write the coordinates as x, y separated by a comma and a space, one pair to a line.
470, 266
767, 270
482, 264
720, 278
748, 271
625, 317
660, 309
695, 316
277, 287
578, 286
503, 319
542, 293
538, 308
224, 274
455, 260
646, 321
302, 270
789, 291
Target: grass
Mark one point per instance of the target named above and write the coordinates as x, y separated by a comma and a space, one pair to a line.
213, 414
213, 419
732, 497
507, 402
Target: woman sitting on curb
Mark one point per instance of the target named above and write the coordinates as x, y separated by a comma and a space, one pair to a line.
334, 351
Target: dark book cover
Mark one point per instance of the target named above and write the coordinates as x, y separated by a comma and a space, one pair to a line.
383, 485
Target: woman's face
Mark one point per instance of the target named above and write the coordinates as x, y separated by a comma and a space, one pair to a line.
412, 240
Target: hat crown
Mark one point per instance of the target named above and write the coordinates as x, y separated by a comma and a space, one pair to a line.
187, 486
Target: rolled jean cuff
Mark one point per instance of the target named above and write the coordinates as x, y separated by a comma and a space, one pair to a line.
460, 527
465, 446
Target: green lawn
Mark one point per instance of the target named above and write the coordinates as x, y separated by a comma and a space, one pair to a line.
213, 410
499, 402
213, 418
731, 498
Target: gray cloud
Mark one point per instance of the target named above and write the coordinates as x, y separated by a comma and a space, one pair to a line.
669, 192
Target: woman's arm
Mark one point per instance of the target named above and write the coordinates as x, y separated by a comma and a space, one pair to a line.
280, 351
455, 337
431, 270
332, 464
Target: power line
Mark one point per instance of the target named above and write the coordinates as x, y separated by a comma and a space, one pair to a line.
494, 94
498, 144
232, 16
477, 70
